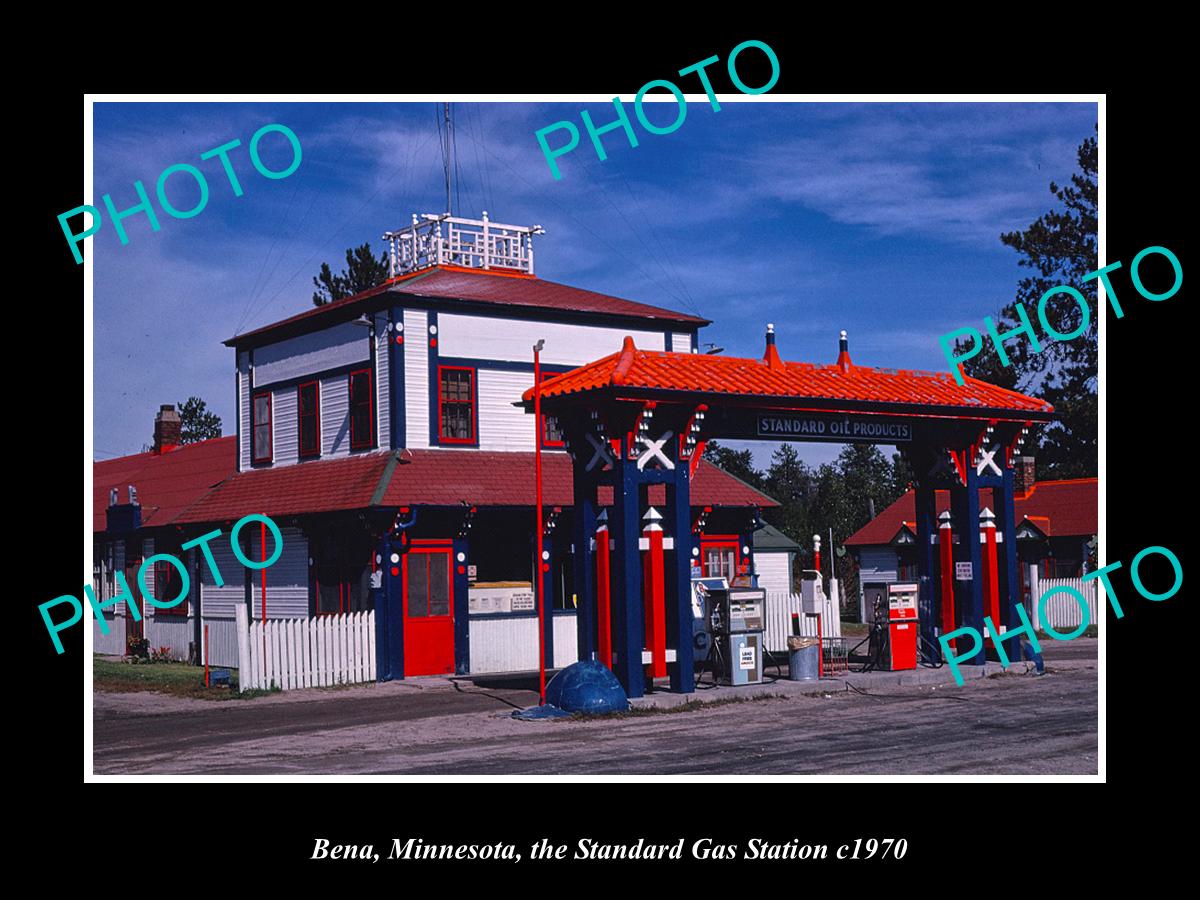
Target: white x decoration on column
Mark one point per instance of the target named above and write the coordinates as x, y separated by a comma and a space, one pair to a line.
600, 453
986, 460
653, 449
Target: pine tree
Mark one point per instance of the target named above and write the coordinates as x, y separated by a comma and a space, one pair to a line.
197, 423
363, 272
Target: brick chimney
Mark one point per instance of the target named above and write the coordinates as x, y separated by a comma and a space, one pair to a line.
1023, 475
168, 429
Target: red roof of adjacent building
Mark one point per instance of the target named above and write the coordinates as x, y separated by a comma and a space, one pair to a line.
1058, 508
491, 287
166, 483
427, 478
661, 370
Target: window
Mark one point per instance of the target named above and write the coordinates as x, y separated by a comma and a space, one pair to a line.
168, 582
456, 405
261, 430
362, 409
552, 434
720, 560
428, 583
309, 410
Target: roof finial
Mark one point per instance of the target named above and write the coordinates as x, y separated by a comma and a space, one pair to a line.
771, 356
843, 360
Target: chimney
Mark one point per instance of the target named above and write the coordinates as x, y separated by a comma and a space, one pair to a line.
1023, 475
843, 360
168, 429
771, 356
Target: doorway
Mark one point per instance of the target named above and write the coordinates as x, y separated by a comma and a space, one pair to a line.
134, 628
428, 610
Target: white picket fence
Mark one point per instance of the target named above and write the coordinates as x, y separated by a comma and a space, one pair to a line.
300, 653
779, 620
1063, 612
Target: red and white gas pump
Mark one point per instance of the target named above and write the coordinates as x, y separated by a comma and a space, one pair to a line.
902, 628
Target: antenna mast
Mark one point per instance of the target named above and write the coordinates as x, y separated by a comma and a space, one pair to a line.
447, 151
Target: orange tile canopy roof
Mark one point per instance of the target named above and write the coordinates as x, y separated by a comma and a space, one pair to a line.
771, 377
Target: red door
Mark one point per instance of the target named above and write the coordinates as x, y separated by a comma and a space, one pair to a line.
428, 612
133, 562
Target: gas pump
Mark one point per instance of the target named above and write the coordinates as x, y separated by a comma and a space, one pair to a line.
728, 630
900, 616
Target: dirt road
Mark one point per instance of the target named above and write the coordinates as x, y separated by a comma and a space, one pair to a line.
1009, 724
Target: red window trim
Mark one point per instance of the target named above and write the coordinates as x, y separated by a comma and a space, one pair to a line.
270, 427
473, 439
300, 449
718, 541
548, 444
161, 575
370, 441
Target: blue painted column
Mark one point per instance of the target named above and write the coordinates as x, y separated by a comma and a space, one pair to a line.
928, 570
1010, 585
394, 590
679, 581
380, 596
628, 622
583, 530
462, 610
964, 511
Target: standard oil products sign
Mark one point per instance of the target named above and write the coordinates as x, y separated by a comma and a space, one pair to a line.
815, 427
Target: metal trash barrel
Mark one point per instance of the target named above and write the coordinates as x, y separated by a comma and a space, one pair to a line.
804, 658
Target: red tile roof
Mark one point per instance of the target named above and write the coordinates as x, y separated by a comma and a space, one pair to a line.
500, 288
691, 372
1058, 508
427, 477
167, 483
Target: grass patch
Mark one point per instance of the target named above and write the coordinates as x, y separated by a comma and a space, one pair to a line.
1092, 631
638, 712
174, 678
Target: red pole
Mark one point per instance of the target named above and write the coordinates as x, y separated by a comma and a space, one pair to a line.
820, 650
603, 606
263, 543
537, 454
946, 556
206, 655
653, 592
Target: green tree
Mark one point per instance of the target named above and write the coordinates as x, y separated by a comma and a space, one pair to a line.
363, 272
739, 463
198, 424
1059, 248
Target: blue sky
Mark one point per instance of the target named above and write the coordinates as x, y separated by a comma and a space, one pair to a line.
882, 219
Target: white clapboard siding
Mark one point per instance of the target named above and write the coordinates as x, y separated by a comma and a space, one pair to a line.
681, 342
112, 643
173, 632
220, 602
504, 645
1062, 611
222, 642
566, 640
503, 426
779, 620
287, 577
318, 351
285, 427
243, 380
492, 337
416, 377
335, 415
877, 564
311, 652
383, 382
774, 570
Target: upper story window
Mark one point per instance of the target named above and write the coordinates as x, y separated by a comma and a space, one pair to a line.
261, 430
456, 405
362, 410
308, 407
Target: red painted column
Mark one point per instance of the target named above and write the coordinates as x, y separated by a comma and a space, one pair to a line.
991, 571
654, 594
603, 590
817, 552
946, 556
